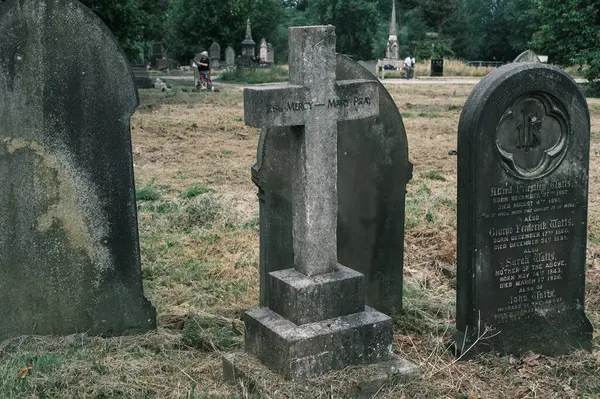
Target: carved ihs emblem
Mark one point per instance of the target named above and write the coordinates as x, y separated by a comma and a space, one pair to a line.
528, 136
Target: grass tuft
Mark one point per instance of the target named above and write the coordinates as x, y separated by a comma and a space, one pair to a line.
212, 334
195, 191
148, 193
433, 175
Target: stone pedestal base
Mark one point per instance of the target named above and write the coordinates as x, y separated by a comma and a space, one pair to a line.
360, 382
315, 348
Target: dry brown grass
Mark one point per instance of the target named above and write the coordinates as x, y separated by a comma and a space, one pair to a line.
199, 239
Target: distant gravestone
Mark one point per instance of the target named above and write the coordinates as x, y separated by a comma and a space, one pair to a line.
158, 56
230, 57
373, 170
316, 319
142, 78
69, 252
523, 147
527, 56
215, 56
270, 54
437, 67
263, 52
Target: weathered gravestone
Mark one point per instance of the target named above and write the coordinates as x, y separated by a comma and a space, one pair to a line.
263, 52
230, 57
373, 170
142, 77
215, 56
523, 148
316, 319
69, 253
527, 56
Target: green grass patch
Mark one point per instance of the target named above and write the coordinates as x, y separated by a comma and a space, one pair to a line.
424, 207
256, 75
196, 190
433, 175
148, 193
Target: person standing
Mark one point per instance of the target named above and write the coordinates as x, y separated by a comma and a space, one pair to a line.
204, 71
413, 62
407, 66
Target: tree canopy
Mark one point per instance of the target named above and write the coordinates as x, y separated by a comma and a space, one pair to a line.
568, 31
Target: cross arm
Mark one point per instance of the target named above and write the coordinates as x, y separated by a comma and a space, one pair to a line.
356, 99
276, 106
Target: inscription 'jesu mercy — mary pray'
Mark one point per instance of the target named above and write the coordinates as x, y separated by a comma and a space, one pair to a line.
295, 106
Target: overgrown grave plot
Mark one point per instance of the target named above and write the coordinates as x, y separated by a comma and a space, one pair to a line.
199, 239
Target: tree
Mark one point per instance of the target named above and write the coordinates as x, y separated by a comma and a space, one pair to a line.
192, 25
570, 33
355, 22
436, 12
126, 20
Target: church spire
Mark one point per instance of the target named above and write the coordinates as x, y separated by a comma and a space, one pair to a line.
393, 23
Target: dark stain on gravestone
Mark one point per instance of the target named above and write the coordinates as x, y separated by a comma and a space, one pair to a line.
524, 138
69, 252
373, 170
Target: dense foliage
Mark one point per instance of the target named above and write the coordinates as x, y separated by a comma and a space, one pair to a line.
568, 31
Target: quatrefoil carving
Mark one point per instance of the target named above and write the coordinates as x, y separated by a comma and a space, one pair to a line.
532, 136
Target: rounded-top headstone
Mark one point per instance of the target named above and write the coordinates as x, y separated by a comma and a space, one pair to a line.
69, 252
523, 152
373, 171
527, 56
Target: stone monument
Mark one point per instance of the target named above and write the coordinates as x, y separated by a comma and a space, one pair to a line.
316, 319
391, 52
215, 56
248, 47
523, 151
69, 252
373, 170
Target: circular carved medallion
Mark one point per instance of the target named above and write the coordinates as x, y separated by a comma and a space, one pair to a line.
532, 136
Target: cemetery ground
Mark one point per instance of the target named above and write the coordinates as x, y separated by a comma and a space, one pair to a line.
198, 219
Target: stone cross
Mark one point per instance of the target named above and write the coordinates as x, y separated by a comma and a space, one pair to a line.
313, 102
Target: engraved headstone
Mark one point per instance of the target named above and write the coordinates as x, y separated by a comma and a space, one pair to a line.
215, 56
229, 57
373, 170
69, 252
316, 319
523, 151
